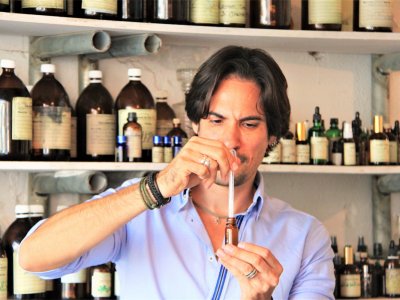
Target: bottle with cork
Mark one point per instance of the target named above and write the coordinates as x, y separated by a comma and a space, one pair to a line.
378, 144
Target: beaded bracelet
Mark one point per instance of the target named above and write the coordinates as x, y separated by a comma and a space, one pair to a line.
155, 190
148, 201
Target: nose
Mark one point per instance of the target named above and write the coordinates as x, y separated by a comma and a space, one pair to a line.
231, 136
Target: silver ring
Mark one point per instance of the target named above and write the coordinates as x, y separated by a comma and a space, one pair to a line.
205, 161
252, 273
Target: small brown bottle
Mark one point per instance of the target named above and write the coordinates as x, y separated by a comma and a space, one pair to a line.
231, 232
378, 144
350, 276
133, 132
178, 131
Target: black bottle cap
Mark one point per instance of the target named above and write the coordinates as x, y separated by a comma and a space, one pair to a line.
334, 244
361, 247
132, 117
378, 251
334, 121
357, 121
392, 248
317, 115
157, 140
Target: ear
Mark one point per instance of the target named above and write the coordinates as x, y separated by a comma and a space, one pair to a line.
195, 127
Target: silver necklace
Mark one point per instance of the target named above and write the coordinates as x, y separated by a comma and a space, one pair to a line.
206, 210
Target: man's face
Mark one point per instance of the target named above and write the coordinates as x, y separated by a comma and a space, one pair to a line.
236, 119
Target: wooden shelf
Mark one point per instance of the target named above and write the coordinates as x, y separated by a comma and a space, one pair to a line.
42, 166
286, 40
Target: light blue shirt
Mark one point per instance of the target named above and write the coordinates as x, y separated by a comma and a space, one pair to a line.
167, 254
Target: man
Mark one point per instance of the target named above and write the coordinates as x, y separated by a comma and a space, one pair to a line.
238, 100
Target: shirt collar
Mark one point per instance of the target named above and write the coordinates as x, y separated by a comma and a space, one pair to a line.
182, 199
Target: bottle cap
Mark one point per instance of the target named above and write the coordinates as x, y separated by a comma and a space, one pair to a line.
334, 121
22, 209
95, 74
48, 68
132, 116
37, 210
167, 140
378, 124
177, 140
301, 132
317, 115
134, 72
7, 64
176, 121
347, 131
121, 139
157, 140
161, 95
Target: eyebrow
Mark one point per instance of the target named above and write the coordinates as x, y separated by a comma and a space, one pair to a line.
248, 118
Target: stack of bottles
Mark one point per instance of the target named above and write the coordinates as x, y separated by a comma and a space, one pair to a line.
360, 276
352, 145
275, 14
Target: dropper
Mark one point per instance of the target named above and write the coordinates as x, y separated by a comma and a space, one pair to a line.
231, 230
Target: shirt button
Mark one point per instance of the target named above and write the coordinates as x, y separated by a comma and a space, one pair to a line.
211, 258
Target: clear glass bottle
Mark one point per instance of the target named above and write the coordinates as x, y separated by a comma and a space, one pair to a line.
275, 14
302, 144
392, 272
44, 7
321, 15
95, 121
51, 118
378, 144
232, 13
393, 145
349, 146
372, 15
21, 284
15, 115
133, 132
350, 276
165, 113
318, 141
178, 131
136, 97
333, 134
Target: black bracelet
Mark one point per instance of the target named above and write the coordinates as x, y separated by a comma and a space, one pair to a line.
150, 204
155, 191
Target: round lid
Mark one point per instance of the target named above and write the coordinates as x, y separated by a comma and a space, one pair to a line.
176, 121
22, 209
134, 72
161, 94
36, 209
95, 74
47, 68
7, 64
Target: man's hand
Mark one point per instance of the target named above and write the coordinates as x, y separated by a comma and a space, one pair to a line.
255, 267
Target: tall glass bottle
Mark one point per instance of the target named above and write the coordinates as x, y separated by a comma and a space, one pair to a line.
337, 263
15, 115
392, 272
101, 282
275, 14
302, 144
204, 12
165, 113
318, 141
333, 134
350, 277
321, 15
185, 77
132, 10
377, 277
99, 9
95, 121
21, 284
168, 11
133, 132
44, 7
349, 146
396, 132
393, 160
232, 13
136, 97
3, 271
51, 118
372, 15
378, 144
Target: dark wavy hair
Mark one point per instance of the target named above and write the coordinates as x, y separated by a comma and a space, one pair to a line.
250, 64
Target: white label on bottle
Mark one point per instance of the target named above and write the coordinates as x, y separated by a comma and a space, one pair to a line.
101, 284
274, 156
116, 284
392, 280
157, 154
379, 151
232, 11
5, 2
163, 127
325, 11
336, 159
375, 13
168, 155
204, 11
133, 143
288, 151
3, 277
22, 118
319, 148
24, 281
51, 128
100, 134
108, 7
393, 152
73, 152
349, 153
57, 4
146, 118
350, 285
303, 154
77, 277
5, 138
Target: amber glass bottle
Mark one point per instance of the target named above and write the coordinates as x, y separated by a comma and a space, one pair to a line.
321, 15
372, 15
15, 115
302, 145
275, 14
378, 144
95, 121
350, 276
51, 118
133, 132
178, 131
165, 114
44, 7
136, 97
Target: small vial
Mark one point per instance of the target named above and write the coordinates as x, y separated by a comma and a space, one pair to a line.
157, 152
177, 145
231, 232
168, 155
120, 150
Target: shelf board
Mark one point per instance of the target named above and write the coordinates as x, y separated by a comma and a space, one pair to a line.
42, 166
286, 40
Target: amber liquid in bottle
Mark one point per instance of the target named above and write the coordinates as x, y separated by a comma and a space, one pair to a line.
178, 131
133, 132
316, 16
350, 276
231, 232
51, 118
95, 121
15, 116
42, 7
378, 144
137, 98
